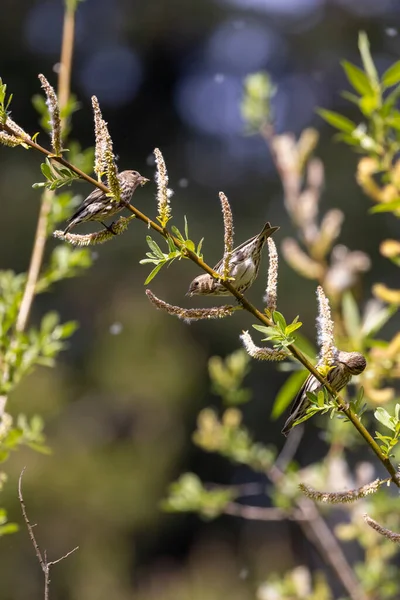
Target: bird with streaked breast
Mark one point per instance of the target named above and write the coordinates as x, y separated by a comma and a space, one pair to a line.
244, 265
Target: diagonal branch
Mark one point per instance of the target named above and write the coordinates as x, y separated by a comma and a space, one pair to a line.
353, 417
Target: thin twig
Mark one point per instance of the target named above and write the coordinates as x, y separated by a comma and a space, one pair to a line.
318, 532
35, 262
261, 513
44, 563
324, 540
67, 47
39, 243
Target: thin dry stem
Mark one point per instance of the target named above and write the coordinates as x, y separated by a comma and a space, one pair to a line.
228, 234
261, 353
44, 563
271, 293
35, 262
67, 50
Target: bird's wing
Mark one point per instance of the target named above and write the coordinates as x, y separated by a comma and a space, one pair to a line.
93, 196
266, 227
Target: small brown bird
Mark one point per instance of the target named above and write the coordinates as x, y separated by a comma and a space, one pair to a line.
346, 364
243, 266
98, 206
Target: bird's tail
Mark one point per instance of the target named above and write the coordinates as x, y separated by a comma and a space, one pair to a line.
267, 230
71, 224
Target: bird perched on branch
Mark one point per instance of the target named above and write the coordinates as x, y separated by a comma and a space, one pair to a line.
98, 206
345, 365
243, 267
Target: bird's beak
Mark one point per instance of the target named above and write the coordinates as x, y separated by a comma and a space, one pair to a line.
143, 180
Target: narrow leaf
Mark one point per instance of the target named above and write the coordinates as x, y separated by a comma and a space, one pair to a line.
392, 75
288, 392
153, 273
337, 120
358, 79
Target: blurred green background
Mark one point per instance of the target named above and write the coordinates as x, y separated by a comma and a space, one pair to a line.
122, 402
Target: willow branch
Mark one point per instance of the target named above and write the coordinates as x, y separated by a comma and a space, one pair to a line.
353, 417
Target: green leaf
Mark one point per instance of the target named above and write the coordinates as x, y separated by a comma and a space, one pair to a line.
263, 328
369, 104
155, 247
186, 227
392, 75
369, 67
288, 392
358, 79
350, 97
386, 207
154, 273
292, 327
178, 234
171, 245
384, 417
190, 245
390, 101
199, 247
8, 528
337, 120
279, 319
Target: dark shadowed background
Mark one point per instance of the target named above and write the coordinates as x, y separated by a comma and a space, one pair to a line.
122, 402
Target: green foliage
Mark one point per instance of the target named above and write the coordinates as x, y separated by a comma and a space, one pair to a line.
24, 433
379, 136
56, 176
4, 526
256, 102
4, 101
280, 335
65, 262
392, 422
61, 208
159, 258
35, 347
188, 494
227, 377
231, 439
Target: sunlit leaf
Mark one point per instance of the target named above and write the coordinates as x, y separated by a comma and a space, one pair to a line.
337, 120
392, 75
358, 79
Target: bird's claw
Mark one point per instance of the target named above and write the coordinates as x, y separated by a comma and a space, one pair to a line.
109, 227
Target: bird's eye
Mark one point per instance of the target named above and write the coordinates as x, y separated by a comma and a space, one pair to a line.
196, 283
